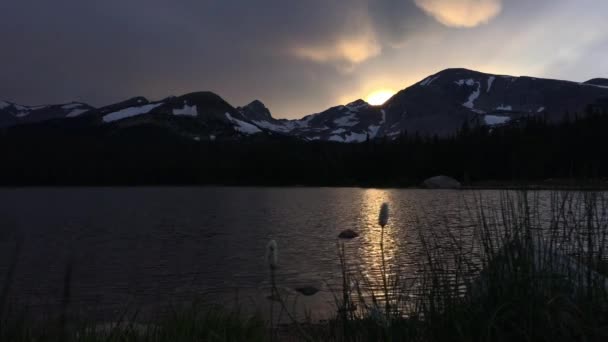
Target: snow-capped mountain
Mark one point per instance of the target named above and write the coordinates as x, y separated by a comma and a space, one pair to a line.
200, 116
438, 105
441, 103
354, 122
12, 114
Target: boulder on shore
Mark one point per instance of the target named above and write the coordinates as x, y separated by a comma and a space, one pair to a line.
348, 234
441, 182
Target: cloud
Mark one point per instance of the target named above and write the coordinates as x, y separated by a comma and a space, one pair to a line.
461, 13
308, 53
347, 46
346, 50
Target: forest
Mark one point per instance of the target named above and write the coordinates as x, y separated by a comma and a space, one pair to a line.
527, 151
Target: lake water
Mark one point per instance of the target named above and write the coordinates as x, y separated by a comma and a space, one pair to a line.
153, 248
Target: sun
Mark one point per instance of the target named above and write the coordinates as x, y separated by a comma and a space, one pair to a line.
378, 97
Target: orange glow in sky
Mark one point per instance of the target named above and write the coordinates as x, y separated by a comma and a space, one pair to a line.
378, 97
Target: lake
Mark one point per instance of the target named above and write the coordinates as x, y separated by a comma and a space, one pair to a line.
158, 247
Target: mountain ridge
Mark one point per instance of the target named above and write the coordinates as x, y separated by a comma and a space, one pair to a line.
440, 104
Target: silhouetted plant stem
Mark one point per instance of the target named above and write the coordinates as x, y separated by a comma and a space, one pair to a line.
8, 281
65, 300
344, 307
384, 276
382, 221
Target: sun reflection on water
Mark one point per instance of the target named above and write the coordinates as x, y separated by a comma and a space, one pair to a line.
369, 251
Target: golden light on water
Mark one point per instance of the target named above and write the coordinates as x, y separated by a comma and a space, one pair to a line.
370, 248
378, 97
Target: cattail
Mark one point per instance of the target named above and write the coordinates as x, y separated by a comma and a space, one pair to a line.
383, 218
271, 254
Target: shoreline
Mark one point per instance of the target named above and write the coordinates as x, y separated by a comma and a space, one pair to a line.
534, 186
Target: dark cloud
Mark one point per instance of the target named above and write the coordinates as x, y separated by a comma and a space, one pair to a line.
397, 20
104, 51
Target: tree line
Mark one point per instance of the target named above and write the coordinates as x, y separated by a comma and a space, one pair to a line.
529, 150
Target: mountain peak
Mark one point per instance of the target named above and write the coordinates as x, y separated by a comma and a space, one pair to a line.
202, 96
456, 69
256, 110
457, 72
132, 102
256, 103
358, 104
598, 81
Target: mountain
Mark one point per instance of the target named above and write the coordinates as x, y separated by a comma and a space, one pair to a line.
442, 103
438, 105
200, 116
598, 82
12, 114
354, 122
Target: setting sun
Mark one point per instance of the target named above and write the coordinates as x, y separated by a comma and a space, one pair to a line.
380, 96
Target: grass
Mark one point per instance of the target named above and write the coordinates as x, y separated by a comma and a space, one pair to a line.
523, 277
194, 324
534, 271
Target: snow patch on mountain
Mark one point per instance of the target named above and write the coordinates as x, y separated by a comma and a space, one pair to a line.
503, 107
130, 112
373, 131
301, 124
186, 110
272, 126
474, 96
428, 81
355, 137
76, 112
71, 106
470, 82
493, 120
594, 85
491, 80
4, 104
242, 126
20, 107
541, 109
347, 121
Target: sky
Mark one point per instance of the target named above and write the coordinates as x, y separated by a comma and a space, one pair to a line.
298, 57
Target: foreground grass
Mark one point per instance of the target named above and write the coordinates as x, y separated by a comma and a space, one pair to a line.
211, 324
533, 272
